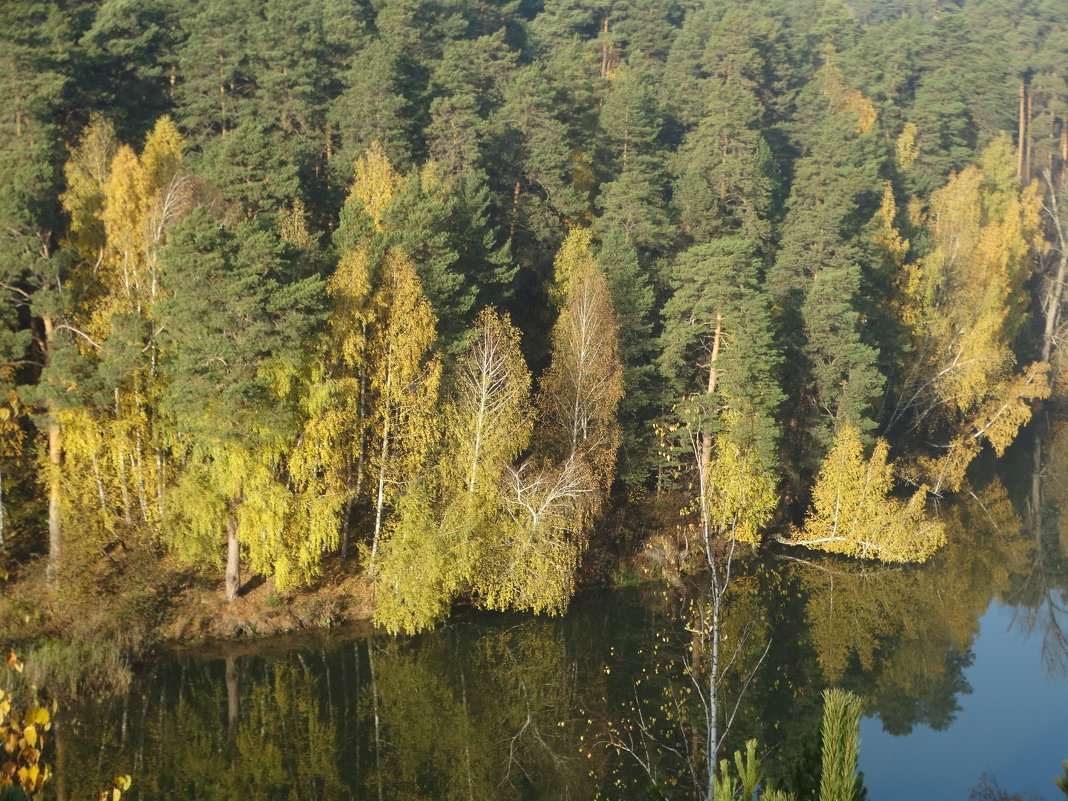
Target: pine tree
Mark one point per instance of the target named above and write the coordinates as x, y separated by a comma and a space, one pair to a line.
633, 300
373, 108
725, 172
35, 40
230, 313
717, 348
629, 117
817, 279
721, 363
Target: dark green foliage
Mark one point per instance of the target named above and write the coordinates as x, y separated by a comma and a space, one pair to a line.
633, 300
717, 285
725, 174
126, 62
817, 278
235, 301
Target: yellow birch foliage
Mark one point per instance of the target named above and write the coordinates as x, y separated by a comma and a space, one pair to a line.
574, 255
125, 204
893, 621
227, 480
403, 401
741, 492
415, 579
531, 557
964, 304
350, 292
293, 226
845, 98
1006, 409
581, 389
445, 533
325, 464
405, 375
375, 182
906, 151
86, 172
162, 155
853, 512
321, 463
892, 247
23, 738
113, 481
490, 415
114, 470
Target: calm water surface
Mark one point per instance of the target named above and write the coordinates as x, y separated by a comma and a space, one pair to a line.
961, 665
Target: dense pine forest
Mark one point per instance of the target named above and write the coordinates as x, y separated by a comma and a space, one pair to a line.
473, 297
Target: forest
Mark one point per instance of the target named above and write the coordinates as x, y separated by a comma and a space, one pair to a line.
475, 296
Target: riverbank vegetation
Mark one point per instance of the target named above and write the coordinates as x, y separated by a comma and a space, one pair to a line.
424, 292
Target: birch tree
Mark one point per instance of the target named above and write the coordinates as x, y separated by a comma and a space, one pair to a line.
583, 385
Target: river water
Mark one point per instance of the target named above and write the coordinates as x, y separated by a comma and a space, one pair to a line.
960, 664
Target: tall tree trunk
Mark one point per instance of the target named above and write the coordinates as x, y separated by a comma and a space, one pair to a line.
361, 457
55, 531
1055, 294
1028, 144
713, 380
383, 457
1064, 146
374, 710
233, 557
55, 461
1021, 129
59, 744
233, 693
514, 217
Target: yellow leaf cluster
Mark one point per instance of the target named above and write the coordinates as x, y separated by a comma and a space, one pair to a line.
534, 551
845, 99
740, 493
413, 583
404, 374
490, 418
964, 303
111, 476
22, 741
1005, 410
227, 481
293, 226
120, 785
581, 389
906, 149
375, 182
573, 255
87, 173
853, 512
893, 621
120, 205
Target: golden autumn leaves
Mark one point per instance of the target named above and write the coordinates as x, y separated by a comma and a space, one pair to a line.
481, 520
960, 306
22, 739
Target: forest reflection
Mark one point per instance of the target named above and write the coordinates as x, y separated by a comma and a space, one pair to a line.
596, 703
